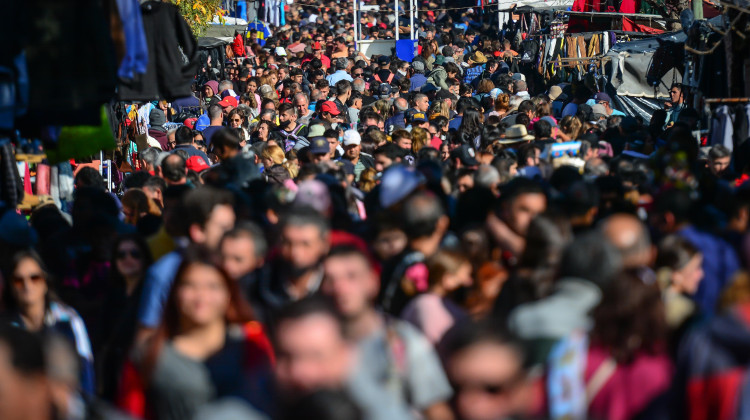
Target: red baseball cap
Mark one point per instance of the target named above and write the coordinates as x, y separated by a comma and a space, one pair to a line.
190, 123
316, 46
330, 107
228, 101
197, 164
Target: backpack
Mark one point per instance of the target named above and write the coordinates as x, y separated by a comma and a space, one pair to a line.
529, 51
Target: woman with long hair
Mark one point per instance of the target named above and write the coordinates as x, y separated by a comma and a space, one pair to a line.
274, 164
31, 304
440, 108
628, 349
471, 125
207, 347
130, 261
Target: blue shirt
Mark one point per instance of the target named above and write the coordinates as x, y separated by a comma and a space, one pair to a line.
720, 263
472, 73
159, 279
338, 76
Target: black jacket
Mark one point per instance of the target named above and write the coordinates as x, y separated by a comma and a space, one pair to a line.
168, 76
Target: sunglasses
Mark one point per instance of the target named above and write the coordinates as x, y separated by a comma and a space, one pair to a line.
135, 254
36, 277
237, 119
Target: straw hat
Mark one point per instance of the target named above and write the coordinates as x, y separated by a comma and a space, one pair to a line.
478, 57
516, 133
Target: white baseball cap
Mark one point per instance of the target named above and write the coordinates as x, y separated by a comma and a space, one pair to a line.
352, 137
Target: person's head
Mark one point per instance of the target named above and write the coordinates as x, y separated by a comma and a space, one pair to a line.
591, 257
243, 250
201, 296
183, 136
421, 103
520, 201
486, 369
135, 205
631, 238
235, 118
304, 239
542, 129
88, 177
225, 144
131, 257
402, 139
423, 216
387, 155
675, 94
216, 114
155, 187
679, 264
350, 280
27, 282
630, 318
208, 216
272, 155
449, 271
174, 169
287, 115
312, 351
719, 158
301, 104
464, 180
26, 390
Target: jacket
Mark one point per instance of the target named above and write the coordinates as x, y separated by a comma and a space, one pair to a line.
437, 78
168, 75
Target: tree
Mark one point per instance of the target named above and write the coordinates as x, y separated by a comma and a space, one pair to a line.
200, 13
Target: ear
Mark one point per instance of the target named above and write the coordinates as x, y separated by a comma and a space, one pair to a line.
196, 234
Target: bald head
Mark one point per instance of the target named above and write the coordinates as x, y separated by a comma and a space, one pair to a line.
631, 238
401, 104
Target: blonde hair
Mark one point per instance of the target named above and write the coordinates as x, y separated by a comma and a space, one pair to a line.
444, 262
367, 180
419, 138
275, 153
382, 107
440, 108
292, 163
571, 126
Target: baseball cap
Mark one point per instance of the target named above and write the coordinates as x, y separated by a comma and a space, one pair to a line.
384, 90
316, 130
383, 60
550, 120
280, 52
197, 164
601, 96
190, 123
228, 101
330, 107
352, 137
418, 117
599, 109
519, 76
319, 145
397, 183
466, 155
417, 66
313, 193
316, 46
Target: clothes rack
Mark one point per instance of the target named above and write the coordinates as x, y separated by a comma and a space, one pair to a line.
727, 100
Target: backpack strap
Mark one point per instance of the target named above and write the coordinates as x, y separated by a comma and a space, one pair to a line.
600, 378
376, 77
390, 78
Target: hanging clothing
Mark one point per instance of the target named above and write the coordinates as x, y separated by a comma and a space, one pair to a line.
170, 41
722, 128
11, 185
136, 50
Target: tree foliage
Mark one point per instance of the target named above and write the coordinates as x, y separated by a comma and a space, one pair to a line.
200, 13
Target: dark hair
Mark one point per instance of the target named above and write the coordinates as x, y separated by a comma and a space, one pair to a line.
306, 307
143, 248
674, 201
420, 215
675, 252
542, 129
8, 298
324, 404
89, 177
304, 216
200, 203
156, 182
136, 180
546, 238
26, 351
225, 138
183, 135
391, 151
173, 167
470, 333
630, 318
719, 151
249, 230
518, 187
590, 257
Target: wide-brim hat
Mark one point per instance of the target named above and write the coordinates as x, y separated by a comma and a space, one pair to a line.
478, 57
516, 133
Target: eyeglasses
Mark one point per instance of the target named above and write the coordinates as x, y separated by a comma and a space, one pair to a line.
36, 277
134, 253
236, 119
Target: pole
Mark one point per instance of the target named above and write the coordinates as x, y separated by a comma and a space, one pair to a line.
411, 17
395, 10
356, 24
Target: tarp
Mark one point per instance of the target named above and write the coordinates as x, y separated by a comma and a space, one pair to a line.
626, 71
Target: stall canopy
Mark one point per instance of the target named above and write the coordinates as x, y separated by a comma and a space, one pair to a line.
639, 78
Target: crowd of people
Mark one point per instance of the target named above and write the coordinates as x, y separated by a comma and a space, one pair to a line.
335, 236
